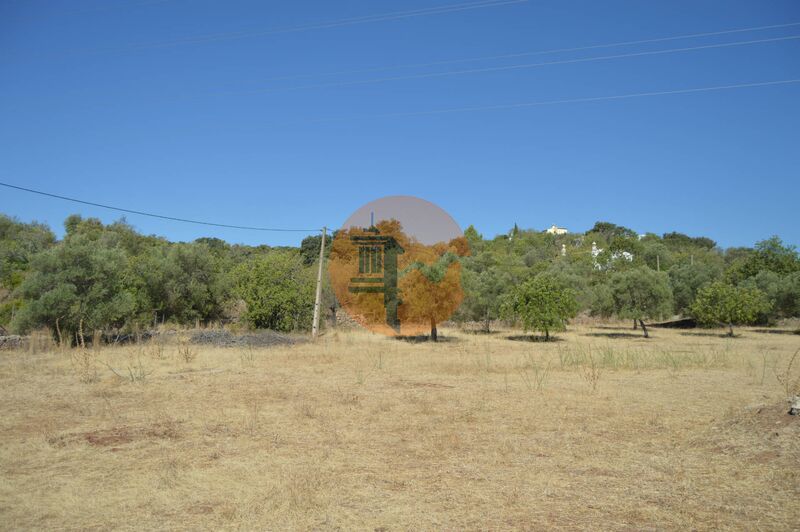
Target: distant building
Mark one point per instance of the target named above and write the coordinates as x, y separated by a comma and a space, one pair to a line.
555, 230
624, 255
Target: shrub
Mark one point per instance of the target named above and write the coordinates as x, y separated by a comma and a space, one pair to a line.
278, 291
641, 294
541, 304
719, 302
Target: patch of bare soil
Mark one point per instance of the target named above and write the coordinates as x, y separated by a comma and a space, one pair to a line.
765, 419
119, 435
761, 433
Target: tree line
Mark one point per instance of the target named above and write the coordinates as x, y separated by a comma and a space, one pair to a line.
541, 280
111, 278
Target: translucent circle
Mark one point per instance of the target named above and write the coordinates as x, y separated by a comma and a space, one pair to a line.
395, 267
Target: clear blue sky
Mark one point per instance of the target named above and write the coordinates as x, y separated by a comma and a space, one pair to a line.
201, 109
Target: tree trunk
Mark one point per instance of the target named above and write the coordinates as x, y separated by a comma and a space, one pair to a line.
80, 333
635, 326
434, 332
487, 322
644, 329
730, 330
546, 335
60, 338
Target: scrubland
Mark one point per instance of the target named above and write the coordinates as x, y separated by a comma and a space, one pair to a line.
600, 429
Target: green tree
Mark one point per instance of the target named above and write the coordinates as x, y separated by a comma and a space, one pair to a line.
474, 240
75, 288
782, 291
770, 255
686, 280
641, 294
611, 231
541, 304
483, 294
182, 283
570, 275
309, 248
19, 242
719, 302
278, 291
601, 301
681, 241
656, 256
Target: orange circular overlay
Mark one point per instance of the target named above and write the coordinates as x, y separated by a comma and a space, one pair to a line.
394, 265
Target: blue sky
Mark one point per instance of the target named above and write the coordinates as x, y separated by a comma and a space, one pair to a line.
279, 114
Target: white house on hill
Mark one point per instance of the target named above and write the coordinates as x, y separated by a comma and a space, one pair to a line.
614, 256
555, 230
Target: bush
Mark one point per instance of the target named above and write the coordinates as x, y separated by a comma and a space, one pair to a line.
278, 291
541, 304
719, 302
686, 280
76, 287
641, 294
782, 291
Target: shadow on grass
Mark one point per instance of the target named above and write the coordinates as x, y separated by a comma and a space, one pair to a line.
533, 338
777, 331
615, 335
615, 328
710, 334
478, 332
422, 338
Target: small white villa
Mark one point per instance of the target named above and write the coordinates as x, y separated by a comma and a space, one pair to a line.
555, 230
614, 256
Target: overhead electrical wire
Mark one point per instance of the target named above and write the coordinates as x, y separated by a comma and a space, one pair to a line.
530, 53
366, 19
541, 103
395, 15
152, 215
521, 66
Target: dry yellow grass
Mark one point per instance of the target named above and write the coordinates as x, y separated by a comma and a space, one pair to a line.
364, 432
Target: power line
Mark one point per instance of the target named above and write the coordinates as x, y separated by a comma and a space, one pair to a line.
559, 102
381, 17
172, 218
395, 15
107, 7
532, 53
510, 67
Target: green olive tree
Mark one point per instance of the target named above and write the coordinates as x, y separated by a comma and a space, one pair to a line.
641, 294
278, 290
719, 302
541, 304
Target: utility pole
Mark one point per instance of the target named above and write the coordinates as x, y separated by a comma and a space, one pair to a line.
317, 300
658, 263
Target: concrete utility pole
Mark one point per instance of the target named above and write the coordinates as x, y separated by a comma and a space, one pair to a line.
317, 300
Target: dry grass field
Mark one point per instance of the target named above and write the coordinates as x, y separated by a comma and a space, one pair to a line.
601, 429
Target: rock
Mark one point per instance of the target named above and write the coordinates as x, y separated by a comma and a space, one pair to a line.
12, 341
795, 408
